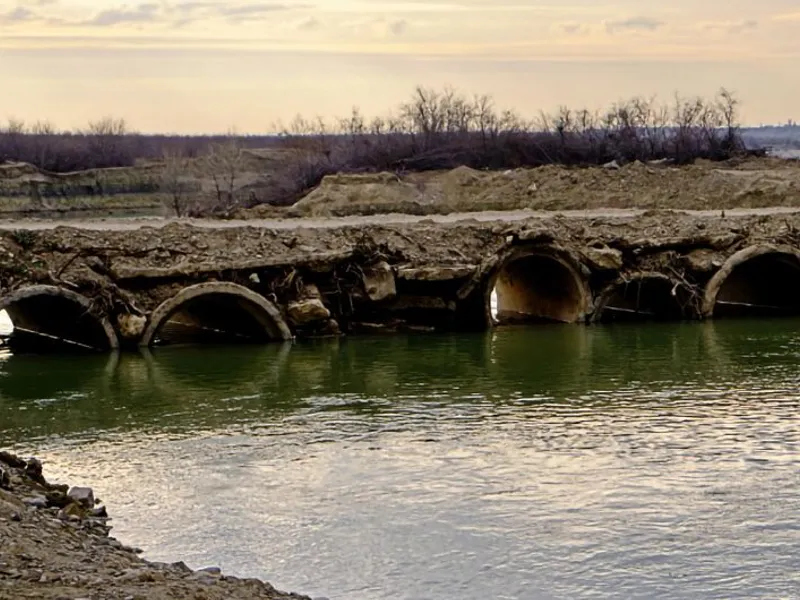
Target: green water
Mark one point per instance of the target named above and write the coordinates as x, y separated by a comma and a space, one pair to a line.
551, 462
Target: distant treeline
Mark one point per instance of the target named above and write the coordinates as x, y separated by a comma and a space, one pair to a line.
432, 130
104, 143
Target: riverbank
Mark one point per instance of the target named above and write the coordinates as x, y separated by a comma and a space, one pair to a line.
55, 544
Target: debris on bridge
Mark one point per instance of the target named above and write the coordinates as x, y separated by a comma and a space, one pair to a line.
105, 289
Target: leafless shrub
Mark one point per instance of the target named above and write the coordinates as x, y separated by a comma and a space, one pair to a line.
175, 182
443, 130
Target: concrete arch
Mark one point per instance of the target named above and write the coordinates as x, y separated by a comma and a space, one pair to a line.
537, 284
648, 296
218, 311
761, 280
48, 317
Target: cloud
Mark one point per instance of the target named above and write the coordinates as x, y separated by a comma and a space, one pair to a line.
795, 16
176, 15
243, 12
633, 24
378, 27
573, 28
308, 24
731, 26
188, 7
143, 13
397, 27
20, 14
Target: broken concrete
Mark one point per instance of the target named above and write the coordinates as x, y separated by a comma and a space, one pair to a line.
379, 282
603, 258
303, 312
195, 284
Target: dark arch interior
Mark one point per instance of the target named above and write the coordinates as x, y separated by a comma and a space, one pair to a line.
765, 286
215, 318
537, 289
52, 323
645, 299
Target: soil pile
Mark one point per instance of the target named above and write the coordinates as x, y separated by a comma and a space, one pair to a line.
54, 544
704, 185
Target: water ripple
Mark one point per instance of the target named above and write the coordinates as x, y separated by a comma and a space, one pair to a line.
547, 463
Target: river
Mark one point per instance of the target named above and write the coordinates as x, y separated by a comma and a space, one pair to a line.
655, 461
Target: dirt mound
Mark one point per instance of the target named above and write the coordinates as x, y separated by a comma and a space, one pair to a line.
342, 194
704, 185
16, 170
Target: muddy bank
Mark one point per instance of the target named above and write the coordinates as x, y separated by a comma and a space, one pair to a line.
55, 544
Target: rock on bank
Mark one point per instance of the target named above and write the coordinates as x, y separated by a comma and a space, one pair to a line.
55, 545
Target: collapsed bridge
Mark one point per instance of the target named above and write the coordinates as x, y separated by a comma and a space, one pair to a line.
100, 290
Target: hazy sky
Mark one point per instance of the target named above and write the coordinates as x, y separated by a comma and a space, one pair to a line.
210, 65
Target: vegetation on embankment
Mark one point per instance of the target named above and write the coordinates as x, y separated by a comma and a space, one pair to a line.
433, 131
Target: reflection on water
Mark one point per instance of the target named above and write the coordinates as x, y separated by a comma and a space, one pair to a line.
550, 462
6, 326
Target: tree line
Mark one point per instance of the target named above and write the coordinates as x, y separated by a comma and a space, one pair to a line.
433, 129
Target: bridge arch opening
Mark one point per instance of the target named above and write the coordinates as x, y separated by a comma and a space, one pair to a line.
215, 312
44, 318
644, 297
536, 286
759, 281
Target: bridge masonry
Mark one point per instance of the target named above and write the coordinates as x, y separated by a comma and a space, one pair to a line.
101, 290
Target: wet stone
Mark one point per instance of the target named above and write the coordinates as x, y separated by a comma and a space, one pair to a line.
82, 495
36, 502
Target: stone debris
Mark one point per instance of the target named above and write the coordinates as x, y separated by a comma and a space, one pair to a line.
130, 326
55, 545
83, 496
379, 282
309, 307
603, 259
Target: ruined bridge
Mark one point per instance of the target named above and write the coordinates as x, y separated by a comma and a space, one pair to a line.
95, 289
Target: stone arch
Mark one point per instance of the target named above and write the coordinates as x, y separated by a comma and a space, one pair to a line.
649, 296
47, 317
216, 311
761, 280
537, 284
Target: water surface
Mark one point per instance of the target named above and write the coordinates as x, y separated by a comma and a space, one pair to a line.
549, 462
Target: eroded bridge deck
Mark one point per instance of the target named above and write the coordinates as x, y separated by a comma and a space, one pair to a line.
179, 283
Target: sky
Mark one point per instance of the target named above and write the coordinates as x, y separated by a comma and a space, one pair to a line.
197, 66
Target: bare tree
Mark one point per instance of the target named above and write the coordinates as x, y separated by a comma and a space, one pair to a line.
14, 132
224, 164
106, 141
174, 181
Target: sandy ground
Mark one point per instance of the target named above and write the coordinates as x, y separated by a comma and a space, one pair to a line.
508, 216
737, 183
751, 183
